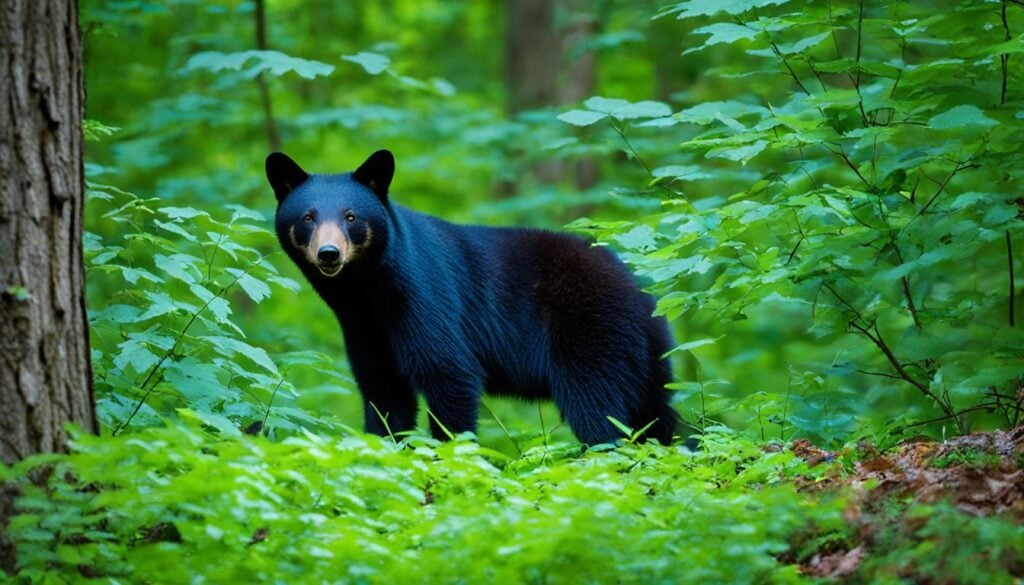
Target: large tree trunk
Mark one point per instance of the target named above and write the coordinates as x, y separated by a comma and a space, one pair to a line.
45, 374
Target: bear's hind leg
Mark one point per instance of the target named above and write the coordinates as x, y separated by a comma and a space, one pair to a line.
389, 409
586, 398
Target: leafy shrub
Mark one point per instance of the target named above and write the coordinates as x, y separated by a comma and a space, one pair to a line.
873, 200
163, 337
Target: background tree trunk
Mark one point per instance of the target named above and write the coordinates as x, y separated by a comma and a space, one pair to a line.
273, 136
45, 374
546, 66
580, 76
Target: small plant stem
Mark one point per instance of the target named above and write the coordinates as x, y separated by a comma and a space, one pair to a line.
785, 407
266, 415
515, 443
942, 187
629, 145
384, 421
1009, 261
910, 303
1004, 59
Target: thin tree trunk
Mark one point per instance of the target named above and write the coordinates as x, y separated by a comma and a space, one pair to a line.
273, 136
45, 374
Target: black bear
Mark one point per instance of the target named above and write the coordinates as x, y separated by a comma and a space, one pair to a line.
451, 310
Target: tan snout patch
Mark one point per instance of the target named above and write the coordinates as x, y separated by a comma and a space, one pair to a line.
328, 234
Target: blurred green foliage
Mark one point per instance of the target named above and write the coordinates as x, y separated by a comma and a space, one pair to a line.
823, 196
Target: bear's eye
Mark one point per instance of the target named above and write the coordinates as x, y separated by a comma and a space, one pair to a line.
350, 217
307, 218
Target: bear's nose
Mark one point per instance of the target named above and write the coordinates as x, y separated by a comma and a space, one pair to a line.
328, 254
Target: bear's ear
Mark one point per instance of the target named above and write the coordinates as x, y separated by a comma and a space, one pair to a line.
377, 172
284, 174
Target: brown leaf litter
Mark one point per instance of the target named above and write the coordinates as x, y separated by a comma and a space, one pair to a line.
980, 474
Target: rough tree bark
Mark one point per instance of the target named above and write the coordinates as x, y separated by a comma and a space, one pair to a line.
45, 374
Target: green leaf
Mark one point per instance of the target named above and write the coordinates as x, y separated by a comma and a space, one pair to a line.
605, 105
722, 33
132, 275
644, 109
182, 212
230, 347
741, 154
373, 63
180, 266
693, 8
219, 422
691, 345
159, 304
959, 117
681, 173
640, 238
175, 229
219, 307
623, 110
581, 117
95, 131
274, 62
256, 289
803, 44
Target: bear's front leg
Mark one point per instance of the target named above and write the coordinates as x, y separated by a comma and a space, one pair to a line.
389, 401
453, 399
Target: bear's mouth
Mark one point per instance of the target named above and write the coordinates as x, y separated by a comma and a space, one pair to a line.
329, 269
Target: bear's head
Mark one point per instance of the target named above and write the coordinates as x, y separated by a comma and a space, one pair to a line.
327, 222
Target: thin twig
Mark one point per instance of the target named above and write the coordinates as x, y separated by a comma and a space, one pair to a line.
856, 80
842, 300
947, 416
803, 236
266, 415
1004, 59
910, 303
629, 145
942, 187
880, 343
1013, 287
785, 63
880, 374
853, 167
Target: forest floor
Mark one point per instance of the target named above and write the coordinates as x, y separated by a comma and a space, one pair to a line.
181, 502
981, 474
